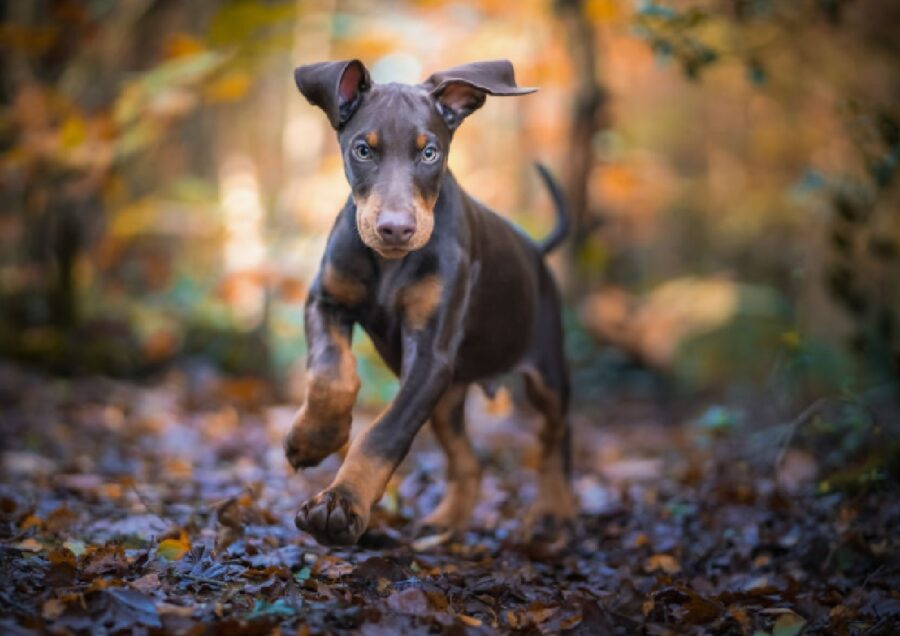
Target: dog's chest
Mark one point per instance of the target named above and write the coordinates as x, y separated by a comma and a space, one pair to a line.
389, 288
389, 299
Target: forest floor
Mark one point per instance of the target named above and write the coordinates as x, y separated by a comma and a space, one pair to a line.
129, 508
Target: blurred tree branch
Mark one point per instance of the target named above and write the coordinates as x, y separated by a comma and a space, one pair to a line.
93, 95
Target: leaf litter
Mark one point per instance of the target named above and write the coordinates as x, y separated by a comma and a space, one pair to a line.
137, 509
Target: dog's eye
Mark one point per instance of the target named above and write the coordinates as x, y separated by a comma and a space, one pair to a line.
430, 154
362, 152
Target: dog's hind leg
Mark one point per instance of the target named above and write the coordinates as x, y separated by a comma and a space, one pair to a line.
463, 469
555, 501
547, 386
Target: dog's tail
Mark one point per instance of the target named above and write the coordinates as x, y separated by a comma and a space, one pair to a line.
561, 229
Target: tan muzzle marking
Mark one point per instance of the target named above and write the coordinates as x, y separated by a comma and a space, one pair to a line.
367, 211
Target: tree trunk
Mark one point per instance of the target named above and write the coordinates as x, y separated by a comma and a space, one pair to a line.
589, 116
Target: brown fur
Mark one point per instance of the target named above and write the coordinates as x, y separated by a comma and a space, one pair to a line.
554, 497
365, 473
463, 470
341, 287
367, 210
366, 218
440, 314
322, 425
344, 508
424, 211
420, 300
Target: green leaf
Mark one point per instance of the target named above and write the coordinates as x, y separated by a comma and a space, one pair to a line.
278, 608
788, 625
76, 546
719, 419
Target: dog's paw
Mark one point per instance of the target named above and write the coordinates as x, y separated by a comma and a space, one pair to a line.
333, 517
455, 509
308, 443
549, 516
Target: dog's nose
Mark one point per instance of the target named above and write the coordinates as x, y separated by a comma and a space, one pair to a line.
396, 228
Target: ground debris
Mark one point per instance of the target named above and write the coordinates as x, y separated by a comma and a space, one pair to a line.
128, 509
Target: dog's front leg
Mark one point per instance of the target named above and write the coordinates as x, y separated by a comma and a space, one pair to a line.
322, 425
431, 335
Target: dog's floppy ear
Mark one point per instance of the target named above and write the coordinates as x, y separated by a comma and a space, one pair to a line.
335, 87
461, 90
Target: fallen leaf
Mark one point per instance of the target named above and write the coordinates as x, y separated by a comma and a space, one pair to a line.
332, 567
471, 621
132, 608
52, 609
168, 609
796, 470
539, 613
663, 562
637, 469
30, 545
146, 583
174, 549
112, 610
107, 559
75, 546
699, 610
431, 541
62, 567
740, 615
789, 624
411, 600
279, 608
60, 520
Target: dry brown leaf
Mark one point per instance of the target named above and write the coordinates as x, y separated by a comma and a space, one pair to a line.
146, 583
30, 545
662, 562
52, 609
471, 621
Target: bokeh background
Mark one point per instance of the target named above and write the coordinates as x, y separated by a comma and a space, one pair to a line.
731, 166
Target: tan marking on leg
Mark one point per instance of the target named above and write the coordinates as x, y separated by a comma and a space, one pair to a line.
555, 497
342, 287
363, 472
322, 425
421, 142
463, 469
340, 513
372, 139
419, 300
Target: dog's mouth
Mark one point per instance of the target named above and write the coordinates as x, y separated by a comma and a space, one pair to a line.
392, 235
391, 252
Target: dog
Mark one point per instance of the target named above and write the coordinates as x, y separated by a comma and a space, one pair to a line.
450, 293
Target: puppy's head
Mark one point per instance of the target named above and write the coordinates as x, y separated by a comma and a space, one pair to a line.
395, 138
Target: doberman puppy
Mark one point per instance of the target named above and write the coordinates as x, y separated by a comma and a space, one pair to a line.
450, 293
